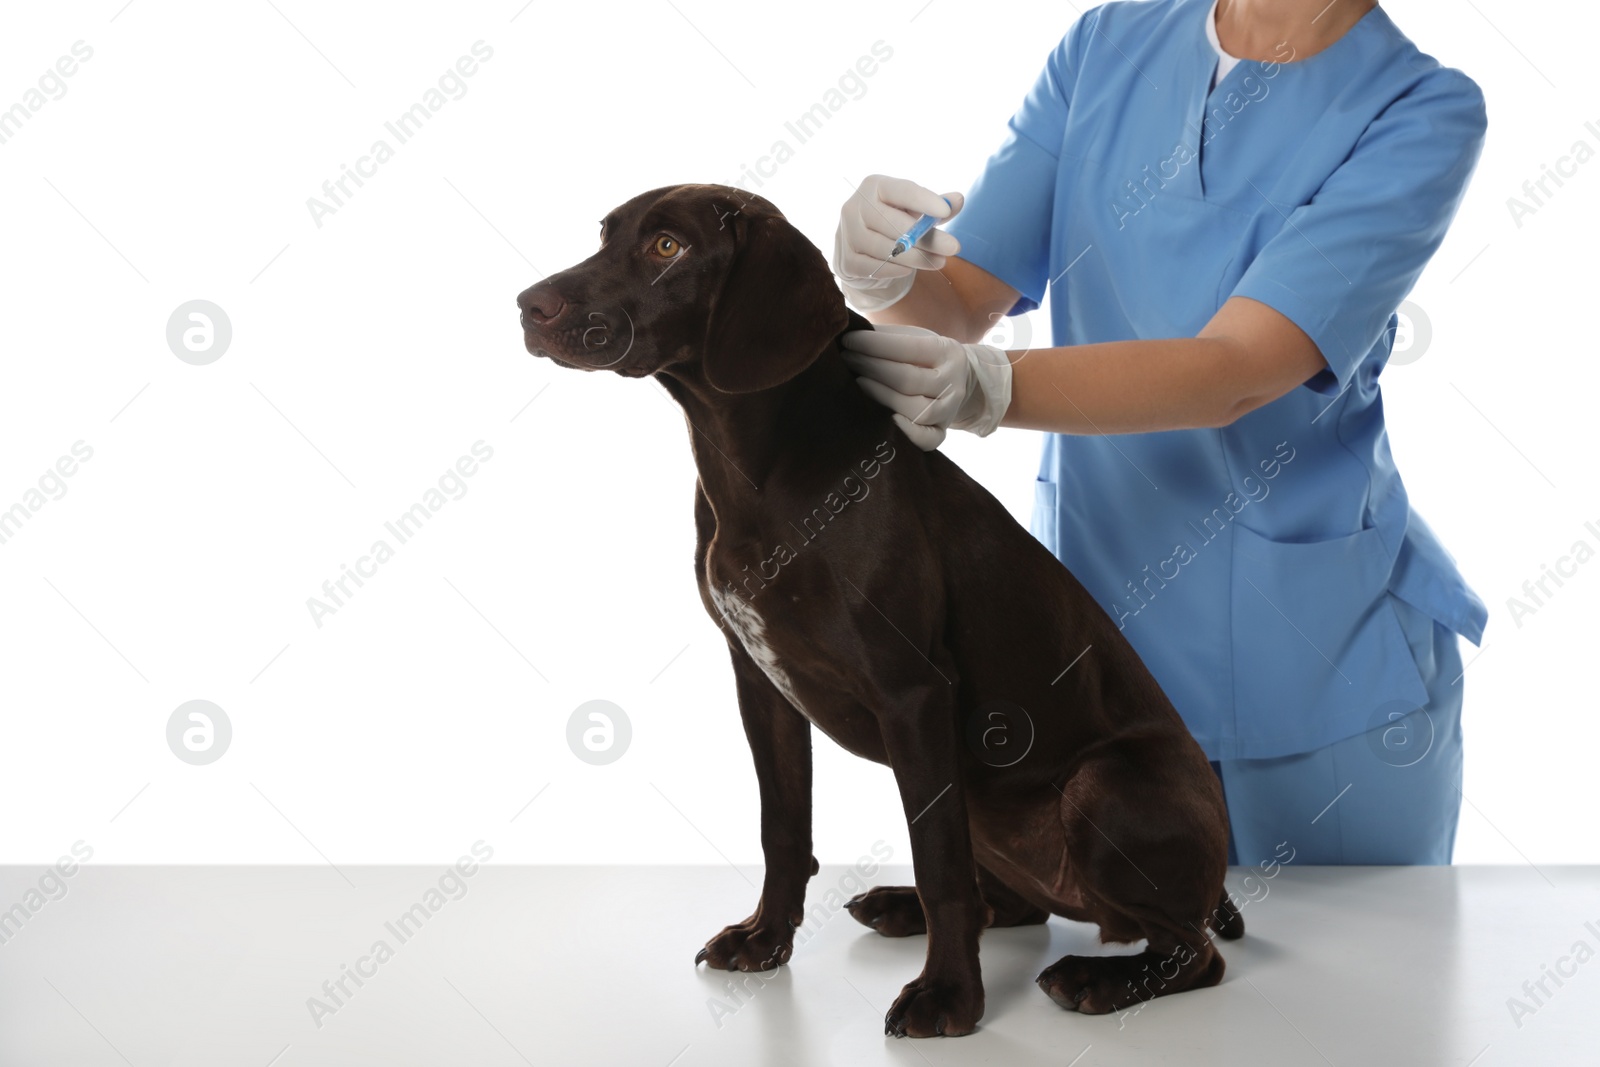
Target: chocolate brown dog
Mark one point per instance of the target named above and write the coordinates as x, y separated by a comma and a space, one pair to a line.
879, 593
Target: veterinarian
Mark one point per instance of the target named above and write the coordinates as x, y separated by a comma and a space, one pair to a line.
1228, 202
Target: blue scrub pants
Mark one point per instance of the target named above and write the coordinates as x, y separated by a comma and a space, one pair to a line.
1391, 795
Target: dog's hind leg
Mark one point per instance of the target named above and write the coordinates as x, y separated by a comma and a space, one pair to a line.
896, 910
1226, 920
1095, 985
1148, 853
892, 910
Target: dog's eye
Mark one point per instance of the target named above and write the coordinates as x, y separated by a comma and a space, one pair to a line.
667, 247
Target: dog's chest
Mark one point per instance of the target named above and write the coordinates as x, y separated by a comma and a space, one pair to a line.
751, 629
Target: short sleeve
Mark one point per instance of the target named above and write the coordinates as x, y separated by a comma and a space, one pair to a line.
1005, 224
1343, 262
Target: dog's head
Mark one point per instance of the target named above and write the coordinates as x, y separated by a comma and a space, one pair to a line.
691, 274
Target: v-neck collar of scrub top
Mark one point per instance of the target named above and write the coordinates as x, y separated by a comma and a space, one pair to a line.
1223, 56
1200, 62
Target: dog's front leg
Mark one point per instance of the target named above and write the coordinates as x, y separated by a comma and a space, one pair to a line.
780, 741
920, 733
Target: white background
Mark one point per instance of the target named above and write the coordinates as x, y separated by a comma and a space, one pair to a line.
372, 352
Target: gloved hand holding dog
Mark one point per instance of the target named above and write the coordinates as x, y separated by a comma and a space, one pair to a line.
931, 382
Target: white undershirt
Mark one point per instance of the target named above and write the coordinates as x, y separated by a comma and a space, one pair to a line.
1225, 62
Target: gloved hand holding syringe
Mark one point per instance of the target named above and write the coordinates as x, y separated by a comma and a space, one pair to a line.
882, 221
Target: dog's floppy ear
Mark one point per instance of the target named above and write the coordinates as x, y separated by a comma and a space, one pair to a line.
776, 312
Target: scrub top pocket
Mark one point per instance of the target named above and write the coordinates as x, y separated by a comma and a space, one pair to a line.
1318, 646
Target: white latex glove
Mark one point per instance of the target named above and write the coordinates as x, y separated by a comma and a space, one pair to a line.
930, 382
876, 215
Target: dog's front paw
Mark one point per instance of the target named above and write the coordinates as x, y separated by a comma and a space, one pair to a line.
892, 910
931, 1008
756, 944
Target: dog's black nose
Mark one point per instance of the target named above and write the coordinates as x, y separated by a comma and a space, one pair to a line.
541, 303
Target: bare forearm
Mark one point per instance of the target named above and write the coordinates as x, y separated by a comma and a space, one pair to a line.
1125, 386
1247, 355
932, 304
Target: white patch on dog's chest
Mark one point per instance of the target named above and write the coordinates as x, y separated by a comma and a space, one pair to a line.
752, 633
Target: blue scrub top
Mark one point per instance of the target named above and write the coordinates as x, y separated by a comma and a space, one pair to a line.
1253, 567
